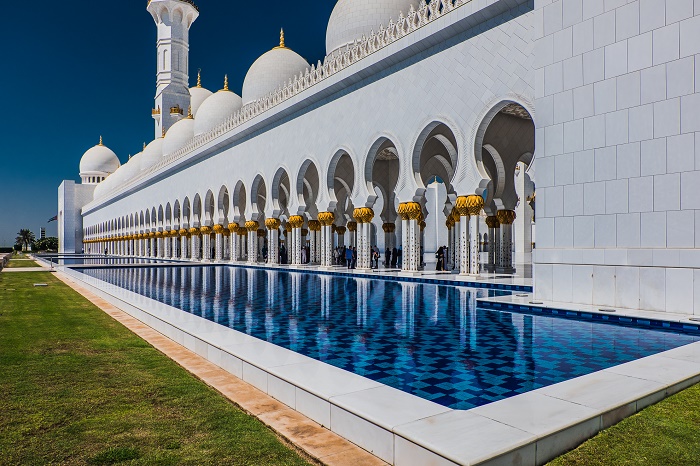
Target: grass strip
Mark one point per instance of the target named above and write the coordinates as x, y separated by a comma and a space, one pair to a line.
667, 433
76, 387
15, 263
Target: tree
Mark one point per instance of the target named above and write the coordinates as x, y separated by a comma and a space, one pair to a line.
25, 238
47, 244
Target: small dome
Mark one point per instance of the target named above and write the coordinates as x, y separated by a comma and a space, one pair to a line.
351, 19
198, 96
132, 167
151, 154
178, 135
99, 160
215, 110
272, 69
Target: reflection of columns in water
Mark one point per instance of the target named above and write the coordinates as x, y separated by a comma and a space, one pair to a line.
506, 219
467, 318
296, 292
409, 301
250, 274
273, 253
325, 296
271, 288
183, 283
233, 272
218, 289
362, 300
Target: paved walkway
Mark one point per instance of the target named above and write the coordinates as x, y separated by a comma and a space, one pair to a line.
25, 269
319, 443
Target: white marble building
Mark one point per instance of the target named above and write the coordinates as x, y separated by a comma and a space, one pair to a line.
344, 151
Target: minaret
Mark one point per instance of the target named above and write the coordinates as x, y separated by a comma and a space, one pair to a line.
173, 19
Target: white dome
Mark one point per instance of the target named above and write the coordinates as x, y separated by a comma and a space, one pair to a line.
198, 96
151, 154
178, 135
351, 19
215, 110
99, 160
132, 167
271, 70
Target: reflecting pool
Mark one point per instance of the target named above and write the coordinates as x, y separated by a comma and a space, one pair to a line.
429, 340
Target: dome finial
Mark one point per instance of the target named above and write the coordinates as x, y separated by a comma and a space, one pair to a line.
144, 146
199, 77
100, 144
189, 113
163, 134
281, 38
225, 83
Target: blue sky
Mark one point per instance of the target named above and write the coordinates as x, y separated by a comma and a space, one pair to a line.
76, 70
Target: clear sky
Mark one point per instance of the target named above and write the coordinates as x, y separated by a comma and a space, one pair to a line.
75, 70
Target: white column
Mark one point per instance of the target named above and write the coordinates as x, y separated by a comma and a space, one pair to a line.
235, 249
506, 218
474, 246
494, 243
173, 251
167, 243
183, 246
194, 253
219, 246
206, 243
414, 245
312, 246
273, 233
405, 245
252, 244
463, 244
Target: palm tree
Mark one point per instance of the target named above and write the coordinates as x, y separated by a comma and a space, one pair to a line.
25, 238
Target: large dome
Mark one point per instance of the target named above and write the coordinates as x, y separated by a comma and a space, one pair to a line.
351, 19
215, 110
99, 160
198, 96
270, 71
132, 167
151, 154
178, 135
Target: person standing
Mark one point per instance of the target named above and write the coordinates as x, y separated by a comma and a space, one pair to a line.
354, 257
399, 262
394, 257
440, 254
348, 257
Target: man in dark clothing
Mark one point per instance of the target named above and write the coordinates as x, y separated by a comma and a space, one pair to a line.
394, 257
348, 257
387, 257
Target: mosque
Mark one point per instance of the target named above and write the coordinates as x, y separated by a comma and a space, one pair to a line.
427, 124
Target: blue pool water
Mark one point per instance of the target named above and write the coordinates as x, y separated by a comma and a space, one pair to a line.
428, 340
97, 259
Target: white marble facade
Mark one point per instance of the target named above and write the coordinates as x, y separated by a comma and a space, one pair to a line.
618, 160
465, 90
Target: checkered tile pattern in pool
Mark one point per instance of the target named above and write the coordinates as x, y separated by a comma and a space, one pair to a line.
428, 340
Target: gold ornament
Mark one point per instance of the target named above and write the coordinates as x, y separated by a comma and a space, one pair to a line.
272, 223
233, 227
492, 222
506, 217
251, 225
326, 218
218, 229
352, 226
410, 211
182, 232
194, 231
341, 230
363, 215
314, 225
296, 221
205, 230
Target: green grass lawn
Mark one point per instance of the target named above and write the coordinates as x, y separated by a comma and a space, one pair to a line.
77, 388
14, 263
667, 433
